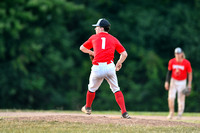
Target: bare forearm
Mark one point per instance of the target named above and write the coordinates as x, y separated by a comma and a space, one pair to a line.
123, 57
85, 50
189, 79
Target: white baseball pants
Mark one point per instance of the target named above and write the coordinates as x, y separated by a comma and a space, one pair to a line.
177, 86
101, 72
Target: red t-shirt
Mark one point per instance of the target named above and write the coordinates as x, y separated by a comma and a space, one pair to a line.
104, 46
179, 69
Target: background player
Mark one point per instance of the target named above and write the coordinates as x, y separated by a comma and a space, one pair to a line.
104, 46
178, 70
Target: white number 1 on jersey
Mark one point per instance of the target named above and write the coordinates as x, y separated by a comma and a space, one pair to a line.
103, 42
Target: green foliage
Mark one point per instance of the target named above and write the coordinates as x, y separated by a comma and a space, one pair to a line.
42, 67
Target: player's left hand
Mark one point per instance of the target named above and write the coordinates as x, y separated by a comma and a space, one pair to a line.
118, 66
186, 91
189, 86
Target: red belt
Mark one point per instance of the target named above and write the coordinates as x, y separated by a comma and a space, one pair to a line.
97, 63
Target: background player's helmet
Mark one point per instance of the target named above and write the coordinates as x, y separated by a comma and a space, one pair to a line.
178, 50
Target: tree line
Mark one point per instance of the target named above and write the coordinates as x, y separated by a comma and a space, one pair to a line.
42, 67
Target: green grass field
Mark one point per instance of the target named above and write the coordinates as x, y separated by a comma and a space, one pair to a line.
41, 126
66, 127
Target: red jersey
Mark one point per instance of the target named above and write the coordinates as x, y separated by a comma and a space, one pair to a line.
179, 69
104, 46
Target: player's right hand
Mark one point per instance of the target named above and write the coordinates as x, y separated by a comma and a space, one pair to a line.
91, 57
166, 86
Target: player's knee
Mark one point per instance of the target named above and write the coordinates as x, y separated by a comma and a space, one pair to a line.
171, 98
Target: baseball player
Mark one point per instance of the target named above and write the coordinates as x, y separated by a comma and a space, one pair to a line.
179, 69
104, 46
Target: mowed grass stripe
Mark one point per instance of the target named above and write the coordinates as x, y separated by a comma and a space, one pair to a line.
65, 127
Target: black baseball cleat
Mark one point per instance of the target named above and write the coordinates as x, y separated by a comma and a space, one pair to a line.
126, 115
86, 110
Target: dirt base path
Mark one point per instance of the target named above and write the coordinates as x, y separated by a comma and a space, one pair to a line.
99, 119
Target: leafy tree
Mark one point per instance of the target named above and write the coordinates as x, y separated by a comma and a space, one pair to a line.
42, 67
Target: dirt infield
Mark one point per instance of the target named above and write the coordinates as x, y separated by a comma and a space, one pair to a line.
99, 119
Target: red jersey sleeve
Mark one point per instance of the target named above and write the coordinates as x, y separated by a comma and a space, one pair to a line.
189, 68
119, 47
170, 65
88, 43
